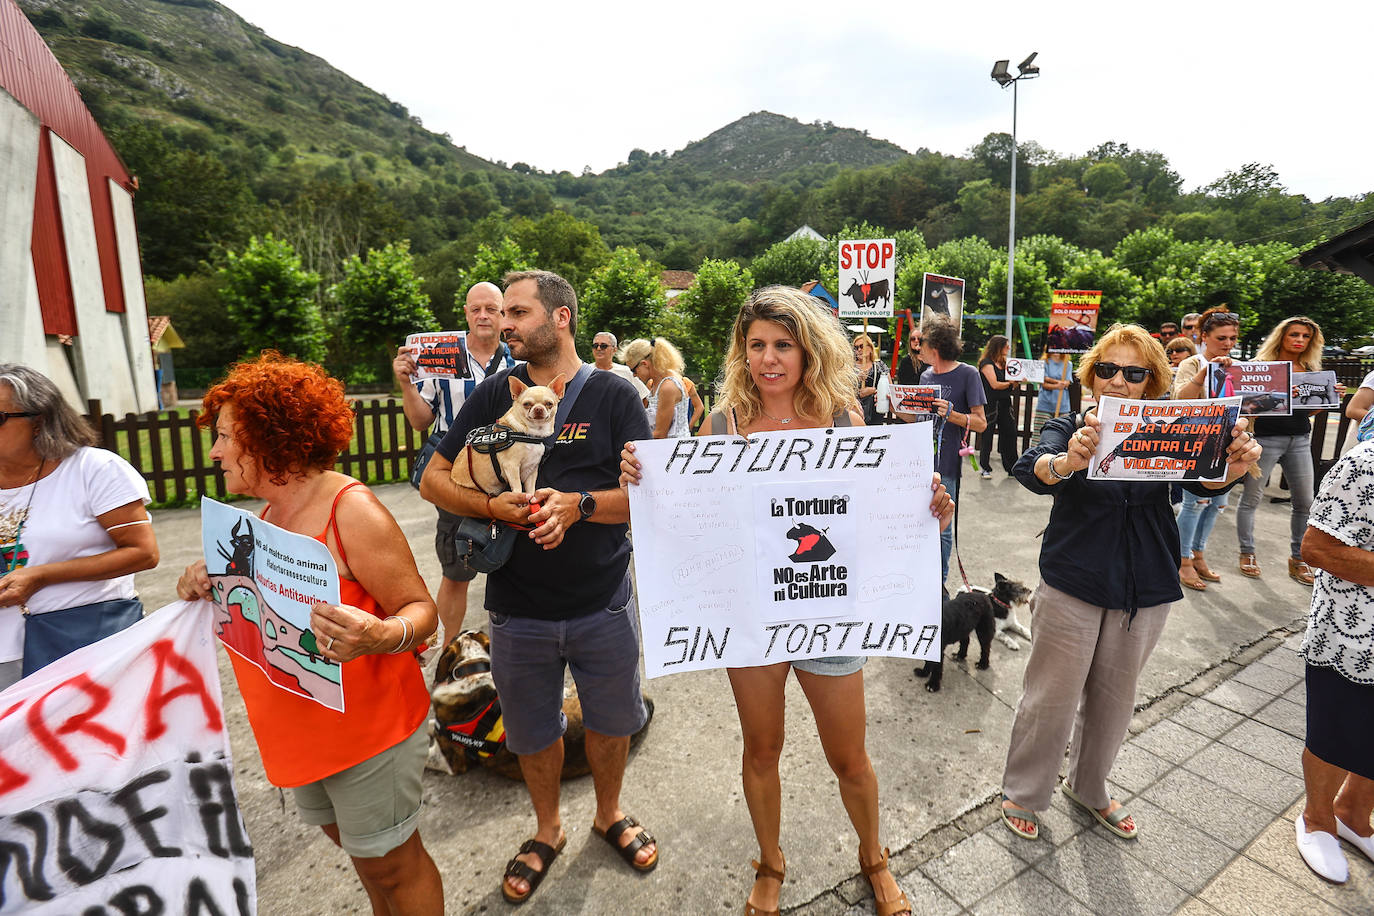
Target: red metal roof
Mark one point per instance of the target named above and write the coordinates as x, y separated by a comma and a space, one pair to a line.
30, 73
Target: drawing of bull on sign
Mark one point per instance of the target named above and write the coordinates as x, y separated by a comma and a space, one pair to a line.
868, 275
264, 580
942, 297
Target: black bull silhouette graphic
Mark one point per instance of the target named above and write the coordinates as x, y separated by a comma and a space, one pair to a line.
1210, 463
866, 294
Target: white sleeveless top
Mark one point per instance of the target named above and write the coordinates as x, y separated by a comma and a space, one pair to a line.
678, 428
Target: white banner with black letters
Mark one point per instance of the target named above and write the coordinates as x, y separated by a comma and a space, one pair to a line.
786, 545
116, 784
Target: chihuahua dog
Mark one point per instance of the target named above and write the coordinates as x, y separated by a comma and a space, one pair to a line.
506, 455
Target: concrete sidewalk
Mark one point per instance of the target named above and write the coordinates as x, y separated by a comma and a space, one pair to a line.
938, 757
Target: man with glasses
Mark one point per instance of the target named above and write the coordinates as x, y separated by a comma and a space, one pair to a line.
1167, 332
1190, 327
603, 349
436, 402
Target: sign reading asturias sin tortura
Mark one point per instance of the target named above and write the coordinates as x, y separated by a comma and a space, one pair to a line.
786, 545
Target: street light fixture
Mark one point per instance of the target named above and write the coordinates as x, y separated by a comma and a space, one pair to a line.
1027, 70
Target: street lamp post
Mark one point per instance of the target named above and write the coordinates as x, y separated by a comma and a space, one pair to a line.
1027, 71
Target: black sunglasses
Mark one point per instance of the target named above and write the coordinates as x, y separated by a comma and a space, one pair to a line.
599, 346
6, 415
1134, 374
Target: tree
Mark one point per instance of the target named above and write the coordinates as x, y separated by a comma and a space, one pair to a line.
271, 300
623, 296
790, 263
711, 304
380, 301
490, 264
566, 245
198, 315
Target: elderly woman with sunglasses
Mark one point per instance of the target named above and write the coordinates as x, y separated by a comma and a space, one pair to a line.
1106, 584
1220, 330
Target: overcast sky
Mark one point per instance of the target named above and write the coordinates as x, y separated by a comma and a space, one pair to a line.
564, 85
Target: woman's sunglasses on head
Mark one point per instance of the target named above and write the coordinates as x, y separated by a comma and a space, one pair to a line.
1220, 318
1134, 374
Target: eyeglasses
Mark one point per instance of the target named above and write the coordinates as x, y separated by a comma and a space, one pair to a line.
1189, 327
601, 346
1217, 318
6, 415
1134, 374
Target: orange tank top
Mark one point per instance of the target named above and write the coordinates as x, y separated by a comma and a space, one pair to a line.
385, 700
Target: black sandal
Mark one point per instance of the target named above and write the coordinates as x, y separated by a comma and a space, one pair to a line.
517, 869
612, 835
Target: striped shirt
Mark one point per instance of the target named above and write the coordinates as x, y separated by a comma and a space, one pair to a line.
446, 396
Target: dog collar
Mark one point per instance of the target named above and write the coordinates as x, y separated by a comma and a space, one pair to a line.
998, 601
475, 666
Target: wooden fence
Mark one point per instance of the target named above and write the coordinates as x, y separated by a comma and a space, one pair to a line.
173, 453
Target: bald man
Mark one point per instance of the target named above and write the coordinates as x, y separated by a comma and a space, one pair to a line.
435, 402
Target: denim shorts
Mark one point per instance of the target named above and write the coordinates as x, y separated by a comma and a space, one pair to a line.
528, 657
831, 666
376, 803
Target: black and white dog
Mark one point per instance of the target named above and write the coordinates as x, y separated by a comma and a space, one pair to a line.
982, 613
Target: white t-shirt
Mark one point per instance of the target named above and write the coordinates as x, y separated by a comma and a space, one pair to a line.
624, 372
1368, 381
59, 523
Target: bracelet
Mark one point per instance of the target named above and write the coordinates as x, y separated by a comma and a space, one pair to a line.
407, 634
1054, 473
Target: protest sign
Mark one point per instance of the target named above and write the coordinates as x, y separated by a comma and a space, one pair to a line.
443, 355
942, 296
786, 545
116, 783
868, 277
914, 400
1163, 440
1315, 391
1073, 319
1026, 370
1265, 389
265, 580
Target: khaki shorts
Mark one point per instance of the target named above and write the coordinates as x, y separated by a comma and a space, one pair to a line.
375, 803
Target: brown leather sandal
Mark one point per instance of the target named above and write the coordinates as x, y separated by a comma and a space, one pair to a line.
1196, 584
890, 907
1249, 566
1201, 568
764, 871
1300, 572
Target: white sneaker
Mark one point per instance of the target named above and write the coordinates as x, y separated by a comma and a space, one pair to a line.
1364, 844
1322, 853
986, 475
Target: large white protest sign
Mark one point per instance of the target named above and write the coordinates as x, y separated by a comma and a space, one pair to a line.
786, 545
265, 580
440, 355
1026, 370
868, 277
116, 784
1163, 440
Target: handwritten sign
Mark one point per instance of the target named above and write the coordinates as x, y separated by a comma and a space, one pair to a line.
1315, 391
943, 297
785, 546
116, 783
914, 400
1026, 370
868, 277
1163, 440
265, 580
1265, 388
442, 356
1073, 319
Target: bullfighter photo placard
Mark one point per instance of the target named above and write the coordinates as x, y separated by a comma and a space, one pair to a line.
868, 277
786, 545
943, 296
1315, 391
1163, 440
1073, 319
265, 581
1265, 389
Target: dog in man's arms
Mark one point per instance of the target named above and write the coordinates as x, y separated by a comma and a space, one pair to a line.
982, 613
467, 727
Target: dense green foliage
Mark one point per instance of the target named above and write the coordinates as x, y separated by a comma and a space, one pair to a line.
624, 295
710, 305
271, 300
379, 301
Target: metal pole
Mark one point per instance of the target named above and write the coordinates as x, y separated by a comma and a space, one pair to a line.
1011, 227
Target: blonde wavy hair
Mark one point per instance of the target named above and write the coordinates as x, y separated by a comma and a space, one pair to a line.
662, 355
1151, 354
1311, 358
830, 380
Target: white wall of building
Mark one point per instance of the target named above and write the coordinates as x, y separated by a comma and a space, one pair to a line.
22, 340
136, 339
102, 359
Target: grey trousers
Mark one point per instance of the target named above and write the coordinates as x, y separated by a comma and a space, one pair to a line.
1080, 685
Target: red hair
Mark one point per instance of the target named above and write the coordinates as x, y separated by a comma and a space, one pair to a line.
291, 416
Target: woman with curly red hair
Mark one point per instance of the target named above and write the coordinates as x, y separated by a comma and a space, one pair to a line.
279, 426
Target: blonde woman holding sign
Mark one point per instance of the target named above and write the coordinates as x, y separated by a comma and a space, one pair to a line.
789, 367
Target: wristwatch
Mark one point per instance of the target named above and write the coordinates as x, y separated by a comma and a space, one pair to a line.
586, 505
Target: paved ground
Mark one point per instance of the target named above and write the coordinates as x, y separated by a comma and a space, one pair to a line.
1211, 773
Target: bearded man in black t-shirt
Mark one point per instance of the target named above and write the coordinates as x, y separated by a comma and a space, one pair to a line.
564, 597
